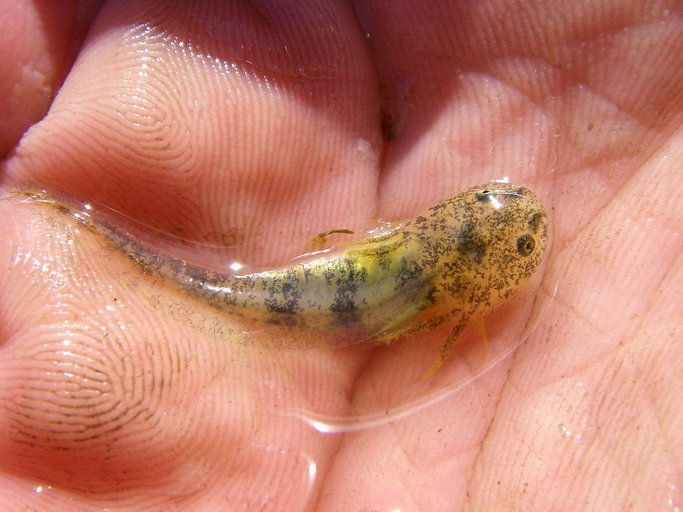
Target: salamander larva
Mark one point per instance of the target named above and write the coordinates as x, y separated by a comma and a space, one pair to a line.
460, 258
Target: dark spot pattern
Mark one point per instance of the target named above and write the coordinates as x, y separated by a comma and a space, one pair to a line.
346, 282
283, 299
536, 221
471, 243
465, 254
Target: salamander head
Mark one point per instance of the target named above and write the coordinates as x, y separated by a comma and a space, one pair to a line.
492, 239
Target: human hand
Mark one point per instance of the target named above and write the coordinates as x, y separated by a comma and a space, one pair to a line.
254, 128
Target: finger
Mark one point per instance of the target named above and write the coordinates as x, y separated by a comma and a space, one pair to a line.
517, 93
160, 375
217, 118
115, 393
520, 93
39, 40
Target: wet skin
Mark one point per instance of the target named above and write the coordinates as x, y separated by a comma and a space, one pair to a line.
461, 257
195, 117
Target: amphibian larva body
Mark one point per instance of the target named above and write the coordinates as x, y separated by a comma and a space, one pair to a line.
462, 257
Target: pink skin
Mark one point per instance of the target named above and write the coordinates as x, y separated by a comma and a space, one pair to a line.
255, 129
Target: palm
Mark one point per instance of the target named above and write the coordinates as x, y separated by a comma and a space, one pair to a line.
255, 130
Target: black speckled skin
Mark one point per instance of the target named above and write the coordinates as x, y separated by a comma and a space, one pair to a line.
463, 256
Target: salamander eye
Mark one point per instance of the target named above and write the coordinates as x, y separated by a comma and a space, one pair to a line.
526, 245
483, 194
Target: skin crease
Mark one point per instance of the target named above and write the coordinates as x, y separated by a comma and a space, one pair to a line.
262, 129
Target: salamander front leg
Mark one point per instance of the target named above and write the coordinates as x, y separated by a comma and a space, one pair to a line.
447, 346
